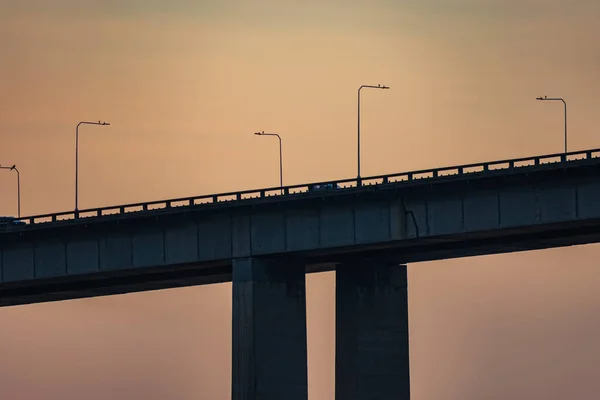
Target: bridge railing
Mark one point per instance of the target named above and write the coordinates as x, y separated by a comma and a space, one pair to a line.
294, 190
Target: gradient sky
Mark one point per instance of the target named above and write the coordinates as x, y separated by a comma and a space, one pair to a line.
186, 83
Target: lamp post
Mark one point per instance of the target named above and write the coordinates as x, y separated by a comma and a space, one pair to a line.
359, 89
262, 133
77, 158
14, 168
565, 103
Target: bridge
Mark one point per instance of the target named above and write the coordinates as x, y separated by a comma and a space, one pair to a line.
265, 241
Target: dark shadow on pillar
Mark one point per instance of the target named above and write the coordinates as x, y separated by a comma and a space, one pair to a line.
269, 331
372, 346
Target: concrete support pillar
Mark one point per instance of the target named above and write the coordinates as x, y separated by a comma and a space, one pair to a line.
269, 331
372, 358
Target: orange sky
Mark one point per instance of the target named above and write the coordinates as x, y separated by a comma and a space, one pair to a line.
185, 84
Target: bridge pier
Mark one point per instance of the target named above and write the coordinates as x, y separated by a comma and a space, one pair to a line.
372, 349
268, 331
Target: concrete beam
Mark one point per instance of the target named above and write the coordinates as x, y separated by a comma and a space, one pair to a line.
420, 222
269, 331
372, 350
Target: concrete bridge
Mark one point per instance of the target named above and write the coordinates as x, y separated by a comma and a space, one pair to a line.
264, 241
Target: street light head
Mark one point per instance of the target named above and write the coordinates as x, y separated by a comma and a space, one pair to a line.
384, 87
103, 123
541, 98
259, 133
13, 167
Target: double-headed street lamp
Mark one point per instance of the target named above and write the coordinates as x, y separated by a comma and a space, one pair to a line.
371, 87
565, 103
77, 158
14, 168
262, 133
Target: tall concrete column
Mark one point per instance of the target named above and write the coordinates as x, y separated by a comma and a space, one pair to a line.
371, 341
269, 331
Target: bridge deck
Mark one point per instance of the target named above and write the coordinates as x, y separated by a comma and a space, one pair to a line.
403, 179
495, 207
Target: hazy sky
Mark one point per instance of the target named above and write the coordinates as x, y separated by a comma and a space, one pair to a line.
186, 83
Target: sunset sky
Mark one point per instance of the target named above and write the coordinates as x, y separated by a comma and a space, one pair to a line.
184, 85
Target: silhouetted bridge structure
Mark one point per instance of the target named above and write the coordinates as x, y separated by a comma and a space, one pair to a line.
266, 240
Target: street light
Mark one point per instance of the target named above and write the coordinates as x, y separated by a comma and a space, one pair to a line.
280, 156
372, 87
77, 158
14, 168
558, 99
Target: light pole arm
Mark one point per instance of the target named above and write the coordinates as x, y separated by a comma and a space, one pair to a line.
280, 157
358, 127
565, 104
14, 168
358, 137
77, 159
18, 190
280, 163
77, 167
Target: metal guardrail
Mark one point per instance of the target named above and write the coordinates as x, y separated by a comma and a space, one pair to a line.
294, 190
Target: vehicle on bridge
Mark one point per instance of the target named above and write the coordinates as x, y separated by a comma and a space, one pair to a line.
324, 186
10, 221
